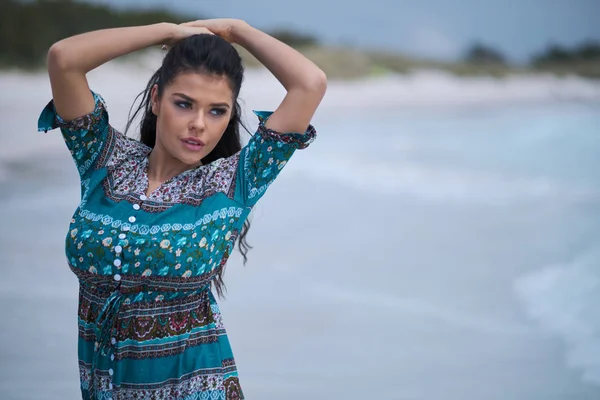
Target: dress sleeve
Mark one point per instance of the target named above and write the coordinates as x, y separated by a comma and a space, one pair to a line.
265, 155
84, 136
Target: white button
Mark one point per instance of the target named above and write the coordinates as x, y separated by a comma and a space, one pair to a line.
122, 236
112, 357
110, 386
113, 341
111, 372
117, 277
119, 249
117, 263
136, 206
126, 228
132, 219
143, 198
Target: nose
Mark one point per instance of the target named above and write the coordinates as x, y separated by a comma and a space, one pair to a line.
198, 122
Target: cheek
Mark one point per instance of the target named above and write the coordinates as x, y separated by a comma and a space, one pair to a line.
218, 129
168, 124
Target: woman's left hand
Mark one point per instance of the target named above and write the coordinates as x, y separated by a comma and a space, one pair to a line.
222, 27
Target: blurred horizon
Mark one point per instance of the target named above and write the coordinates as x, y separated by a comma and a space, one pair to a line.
428, 28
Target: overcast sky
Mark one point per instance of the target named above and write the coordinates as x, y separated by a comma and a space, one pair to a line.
433, 28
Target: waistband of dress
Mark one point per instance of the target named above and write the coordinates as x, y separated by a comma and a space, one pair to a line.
128, 288
132, 284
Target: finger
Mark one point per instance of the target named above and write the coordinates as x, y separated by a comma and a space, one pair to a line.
204, 30
197, 23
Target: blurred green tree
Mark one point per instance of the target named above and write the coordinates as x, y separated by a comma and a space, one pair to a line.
294, 39
482, 54
589, 51
29, 28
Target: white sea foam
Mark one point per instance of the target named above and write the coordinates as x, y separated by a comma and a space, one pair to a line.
564, 298
438, 183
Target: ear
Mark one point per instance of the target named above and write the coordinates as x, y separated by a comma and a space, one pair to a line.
154, 99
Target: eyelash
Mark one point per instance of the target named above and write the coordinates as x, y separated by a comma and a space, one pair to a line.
220, 111
186, 105
181, 104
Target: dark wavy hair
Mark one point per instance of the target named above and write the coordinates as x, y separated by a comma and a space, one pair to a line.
207, 54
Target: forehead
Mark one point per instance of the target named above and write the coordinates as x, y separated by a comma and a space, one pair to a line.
203, 88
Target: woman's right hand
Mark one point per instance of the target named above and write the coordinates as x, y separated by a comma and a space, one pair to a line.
183, 31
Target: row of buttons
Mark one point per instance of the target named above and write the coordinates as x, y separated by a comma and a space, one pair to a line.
119, 249
117, 263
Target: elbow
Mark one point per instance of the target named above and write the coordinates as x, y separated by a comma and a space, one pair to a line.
321, 82
317, 84
56, 58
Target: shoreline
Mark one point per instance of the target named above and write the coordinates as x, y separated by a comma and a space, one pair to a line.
120, 81
422, 77
349, 64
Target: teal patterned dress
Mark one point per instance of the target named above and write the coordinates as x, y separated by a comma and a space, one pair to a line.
149, 326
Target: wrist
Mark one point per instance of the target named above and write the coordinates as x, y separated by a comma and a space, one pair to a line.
239, 31
168, 32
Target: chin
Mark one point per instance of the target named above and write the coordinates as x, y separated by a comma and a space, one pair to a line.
192, 159
192, 162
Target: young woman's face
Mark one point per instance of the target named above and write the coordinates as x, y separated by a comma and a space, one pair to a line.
192, 115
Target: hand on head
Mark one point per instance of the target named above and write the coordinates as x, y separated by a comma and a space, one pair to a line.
220, 27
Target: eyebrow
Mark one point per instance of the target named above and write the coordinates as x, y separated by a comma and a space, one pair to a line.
188, 98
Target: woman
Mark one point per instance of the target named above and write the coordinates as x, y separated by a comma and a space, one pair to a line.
159, 217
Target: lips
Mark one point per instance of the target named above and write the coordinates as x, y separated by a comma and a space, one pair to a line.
193, 144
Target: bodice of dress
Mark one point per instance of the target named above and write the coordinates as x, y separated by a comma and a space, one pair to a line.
183, 232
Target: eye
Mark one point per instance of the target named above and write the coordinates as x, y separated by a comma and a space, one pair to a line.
219, 111
183, 104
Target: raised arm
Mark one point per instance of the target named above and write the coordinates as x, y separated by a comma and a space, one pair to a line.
70, 59
304, 82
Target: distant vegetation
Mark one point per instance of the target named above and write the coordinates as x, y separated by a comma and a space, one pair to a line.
586, 52
583, 59
28, 29
480, 54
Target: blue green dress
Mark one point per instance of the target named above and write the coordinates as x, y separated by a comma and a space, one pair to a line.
149, 326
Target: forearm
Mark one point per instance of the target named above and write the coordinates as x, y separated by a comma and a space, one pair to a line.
89, 50
291, 68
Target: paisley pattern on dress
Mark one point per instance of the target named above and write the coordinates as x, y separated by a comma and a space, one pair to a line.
126, 160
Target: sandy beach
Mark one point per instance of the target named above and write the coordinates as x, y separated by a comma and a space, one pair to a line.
439, 240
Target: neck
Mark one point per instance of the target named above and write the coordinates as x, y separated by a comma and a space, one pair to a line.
162, 166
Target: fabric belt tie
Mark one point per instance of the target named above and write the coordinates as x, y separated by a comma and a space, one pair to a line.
105, 323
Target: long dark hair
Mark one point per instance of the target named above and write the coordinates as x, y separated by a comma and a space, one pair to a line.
209, 54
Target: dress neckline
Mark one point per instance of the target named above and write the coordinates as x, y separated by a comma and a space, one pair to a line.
155, 194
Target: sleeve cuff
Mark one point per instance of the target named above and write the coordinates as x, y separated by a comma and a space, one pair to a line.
49, 119
299, 140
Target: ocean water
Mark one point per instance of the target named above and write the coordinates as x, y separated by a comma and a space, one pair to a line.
446, 253
417, 253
